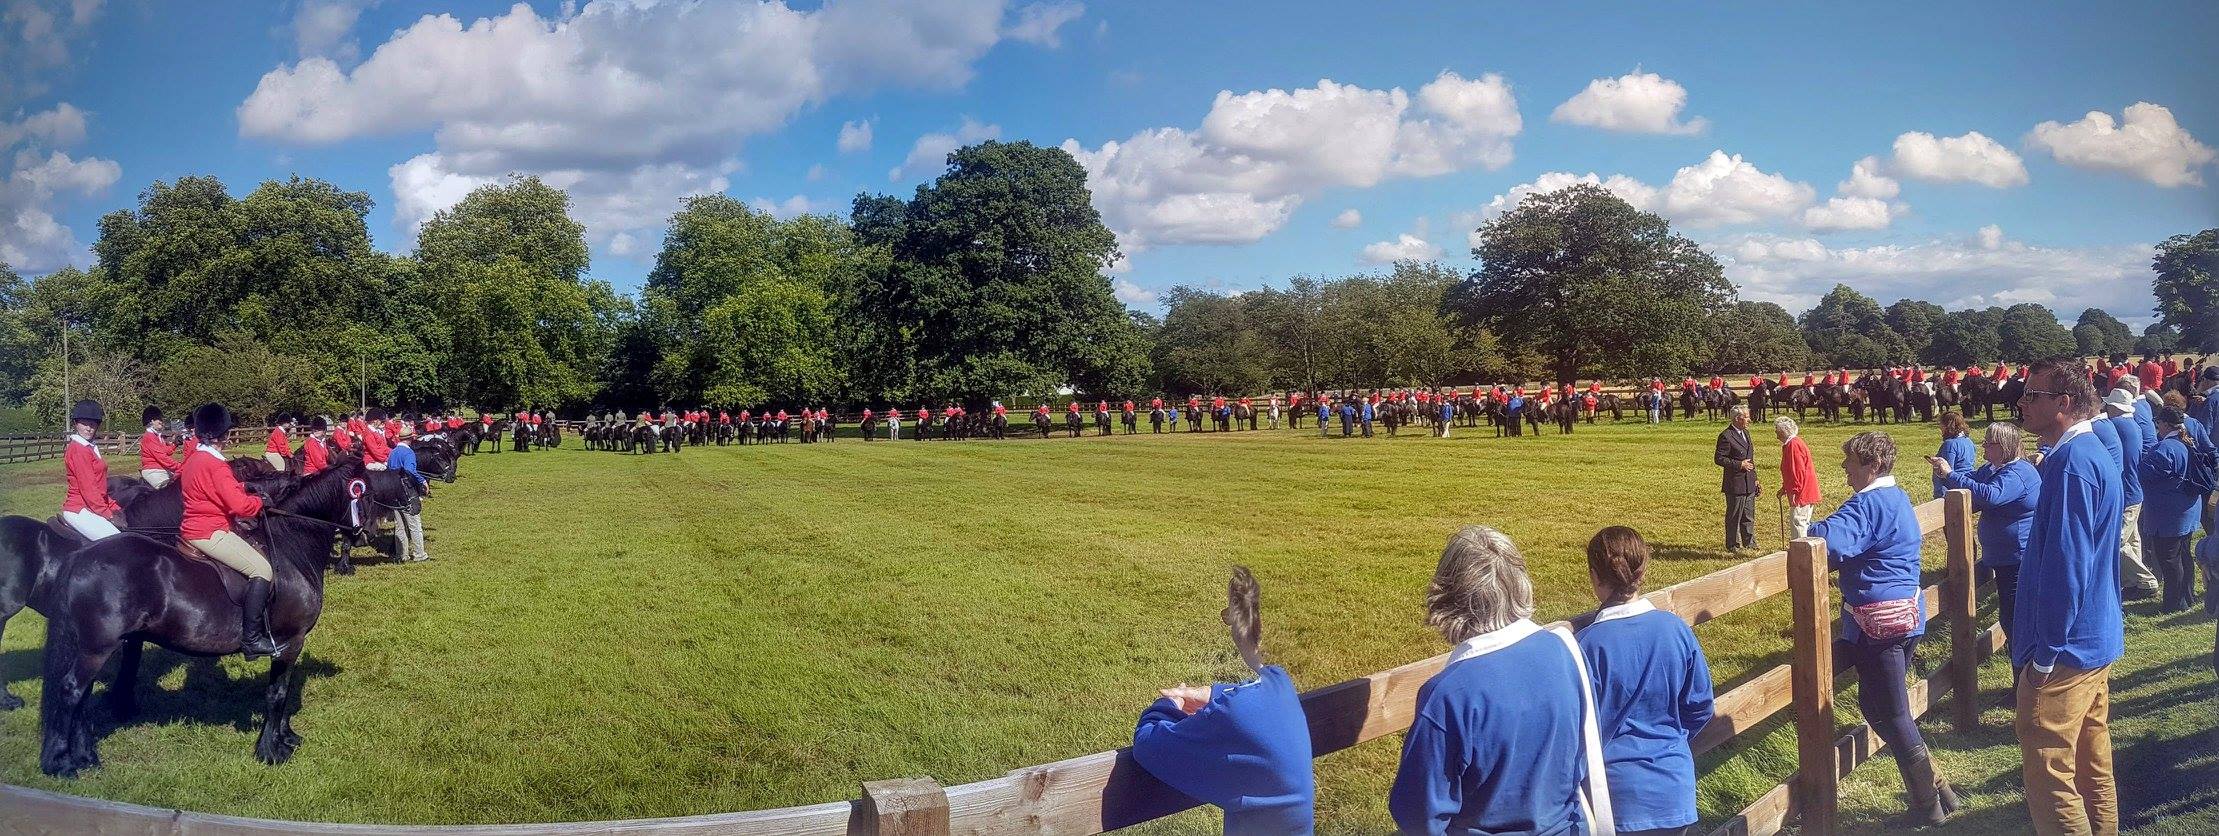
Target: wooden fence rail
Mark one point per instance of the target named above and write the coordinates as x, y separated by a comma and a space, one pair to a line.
1107, 790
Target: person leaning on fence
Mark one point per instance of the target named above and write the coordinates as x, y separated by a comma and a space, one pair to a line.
2005, 492
1504, 738
1956, 448
2176, 474
1243, 747
1737, 461
2068, 628
1873, 540
1798, 476
1652, 690
86, 506
157, 460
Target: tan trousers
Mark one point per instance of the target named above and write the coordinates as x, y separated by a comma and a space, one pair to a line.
2134, 572
275, 461
230, 550
155, 476
2064, 729
1799, 519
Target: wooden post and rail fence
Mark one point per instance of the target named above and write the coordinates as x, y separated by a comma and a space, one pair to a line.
1107, 790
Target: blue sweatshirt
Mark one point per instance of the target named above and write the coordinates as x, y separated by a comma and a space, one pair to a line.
2208, 415
2171, 508
403, 459
2005, 497
1495, 746
1961, 456
1247, 751
2108, 434
2069, 583
1652, 695
1873, 539
2131, 447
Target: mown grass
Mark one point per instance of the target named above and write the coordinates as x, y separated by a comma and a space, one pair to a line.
608, 636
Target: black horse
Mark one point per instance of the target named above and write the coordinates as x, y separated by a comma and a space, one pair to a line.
123, 591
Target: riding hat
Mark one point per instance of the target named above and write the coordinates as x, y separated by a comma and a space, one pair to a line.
377, 415
88, 412
151, 415
212, 422
318, 424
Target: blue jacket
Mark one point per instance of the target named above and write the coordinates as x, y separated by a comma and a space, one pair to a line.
2131, 446
1247, 751
2005, 497
2208, 415
2069, 582
1873, 539
403, 458
1962, 458
2170, 507
1495, 746
1652, 695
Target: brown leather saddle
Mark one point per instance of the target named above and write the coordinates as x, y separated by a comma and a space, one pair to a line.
234, 583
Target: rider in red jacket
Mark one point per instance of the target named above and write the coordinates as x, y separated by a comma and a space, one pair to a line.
86, 506
213, 503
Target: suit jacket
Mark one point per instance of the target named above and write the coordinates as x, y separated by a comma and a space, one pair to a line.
1733, 448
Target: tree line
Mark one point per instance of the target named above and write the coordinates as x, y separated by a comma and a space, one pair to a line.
991, 281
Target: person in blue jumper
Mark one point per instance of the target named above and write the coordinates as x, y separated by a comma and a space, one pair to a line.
1325, 415
2004, 491
1652, 690
408, 521
1504, 739
2172, 474
1873, 540
2068, 628
1956, 448
2136, 581
1245, 747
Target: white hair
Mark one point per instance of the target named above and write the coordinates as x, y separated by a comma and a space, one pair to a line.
1480, 585
1786, 427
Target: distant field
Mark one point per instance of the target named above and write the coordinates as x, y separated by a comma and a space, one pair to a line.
609, 636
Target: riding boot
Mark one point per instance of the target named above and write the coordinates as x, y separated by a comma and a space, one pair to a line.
254, 635
1930, 800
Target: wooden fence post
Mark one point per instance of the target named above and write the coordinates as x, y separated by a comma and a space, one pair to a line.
1961, 600
905, 807
1815, 788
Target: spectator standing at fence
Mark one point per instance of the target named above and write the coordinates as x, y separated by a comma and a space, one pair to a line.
1956, 448
2136, 581
2069, 629
1243, 747
1873, 540
1738, 480
2174, 473
157, 464
1798, 476
2005, 492
1652, 690
1504, 739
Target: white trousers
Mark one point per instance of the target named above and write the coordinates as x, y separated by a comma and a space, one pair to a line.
275, 461
2134, 572
373, 465
93, 526
1799, 520
156, 477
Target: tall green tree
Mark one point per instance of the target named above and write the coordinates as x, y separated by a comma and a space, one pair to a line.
1755, 337
2159, 338
1208, 344
2030, 332
743, 305
1593, 284
1848, 329
1913, 321
21, 347
2187, 288
525, 327
1292, 321
1964, 338
2099, 334
995, 282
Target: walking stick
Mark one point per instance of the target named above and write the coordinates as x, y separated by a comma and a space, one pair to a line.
1782, 503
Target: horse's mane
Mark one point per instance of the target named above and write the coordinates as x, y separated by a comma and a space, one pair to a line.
321, 490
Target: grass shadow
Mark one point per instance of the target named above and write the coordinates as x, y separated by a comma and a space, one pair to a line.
210, 695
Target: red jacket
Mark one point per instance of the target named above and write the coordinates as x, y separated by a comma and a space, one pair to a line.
88, 479
213, 497
313, 458
154, 453
1798, 477
278, 443
374, 447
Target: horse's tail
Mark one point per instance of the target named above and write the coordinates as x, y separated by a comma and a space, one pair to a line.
56, 706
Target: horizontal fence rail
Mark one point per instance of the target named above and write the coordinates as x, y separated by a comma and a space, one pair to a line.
1108, 790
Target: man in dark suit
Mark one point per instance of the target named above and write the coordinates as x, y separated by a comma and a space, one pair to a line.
1736, 460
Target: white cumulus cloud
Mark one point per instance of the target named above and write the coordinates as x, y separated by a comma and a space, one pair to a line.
1636, 102
930, 153
38, 178
1864, 201
2150, 144
320, 28
1037, 24
1982, 270
1258, 155
616, 94
1725, 189
1405, 247
855, 137
1348, 219
788, 208
1972, 158
1132, 294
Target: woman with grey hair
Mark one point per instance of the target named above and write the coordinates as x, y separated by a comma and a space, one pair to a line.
2004, 491
1504, 740
1873, 540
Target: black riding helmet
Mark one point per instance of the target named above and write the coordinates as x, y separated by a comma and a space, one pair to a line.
87, 412
151, 415
212, 423
318, 424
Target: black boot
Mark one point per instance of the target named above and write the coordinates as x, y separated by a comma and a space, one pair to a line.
254, 639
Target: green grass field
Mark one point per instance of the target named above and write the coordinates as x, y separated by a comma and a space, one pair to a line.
606, 636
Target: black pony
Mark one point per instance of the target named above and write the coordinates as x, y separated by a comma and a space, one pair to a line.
116, 594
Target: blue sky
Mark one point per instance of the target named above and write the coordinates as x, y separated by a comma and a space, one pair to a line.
1985, 178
